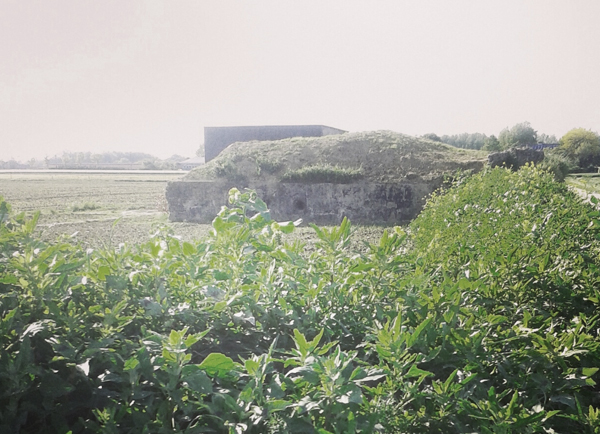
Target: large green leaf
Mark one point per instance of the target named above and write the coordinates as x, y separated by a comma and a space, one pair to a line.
217, 364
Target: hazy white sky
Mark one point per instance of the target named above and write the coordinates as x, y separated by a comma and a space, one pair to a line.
148, 75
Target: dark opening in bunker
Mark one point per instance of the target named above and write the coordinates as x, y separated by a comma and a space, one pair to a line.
299, 204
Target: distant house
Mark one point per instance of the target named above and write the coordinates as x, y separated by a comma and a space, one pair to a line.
52, 164
190, 163
218, 138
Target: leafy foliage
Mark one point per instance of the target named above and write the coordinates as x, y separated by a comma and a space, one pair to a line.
268, 165
582, 146
228, 169
521, 134
559, 164
466, 140
491, 144
481, 317
547, 138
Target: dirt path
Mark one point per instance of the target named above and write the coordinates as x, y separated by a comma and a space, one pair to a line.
585, 195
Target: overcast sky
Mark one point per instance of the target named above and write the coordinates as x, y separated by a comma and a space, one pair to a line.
147, 76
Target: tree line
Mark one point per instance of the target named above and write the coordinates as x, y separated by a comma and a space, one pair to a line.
579, 149
522, 134
76, 160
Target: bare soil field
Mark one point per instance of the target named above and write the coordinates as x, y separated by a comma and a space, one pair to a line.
99, 208
106, 209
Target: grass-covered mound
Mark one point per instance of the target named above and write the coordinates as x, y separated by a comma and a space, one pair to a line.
377, 156
482, 317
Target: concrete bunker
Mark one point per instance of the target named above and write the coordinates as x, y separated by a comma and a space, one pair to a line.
397, 173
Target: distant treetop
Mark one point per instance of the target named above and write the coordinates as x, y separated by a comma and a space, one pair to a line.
519, 135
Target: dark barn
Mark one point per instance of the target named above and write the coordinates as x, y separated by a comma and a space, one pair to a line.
218, 138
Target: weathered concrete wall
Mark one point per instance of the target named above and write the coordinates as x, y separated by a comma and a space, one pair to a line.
200, 201
218, 138
360, 202
195, 201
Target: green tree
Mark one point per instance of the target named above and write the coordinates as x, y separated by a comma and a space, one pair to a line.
465, 140
200, 151
547, 138
519, 135
432, 136
96, 159
491, 143
583, 146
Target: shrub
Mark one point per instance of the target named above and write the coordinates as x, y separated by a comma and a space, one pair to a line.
558, 164
524, 253
522, 234
582, 146
228, 169
323, 173
482, 317
268, 166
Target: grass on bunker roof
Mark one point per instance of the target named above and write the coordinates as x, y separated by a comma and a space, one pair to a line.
381, 156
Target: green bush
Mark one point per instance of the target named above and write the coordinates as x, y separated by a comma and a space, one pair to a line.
583, 146
228, 169
523, 251
558, 164
268, 166
323, 173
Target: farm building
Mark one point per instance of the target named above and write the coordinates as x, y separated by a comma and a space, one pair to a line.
218, 138
190, 163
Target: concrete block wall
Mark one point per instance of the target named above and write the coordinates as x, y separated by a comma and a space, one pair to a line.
367, 203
